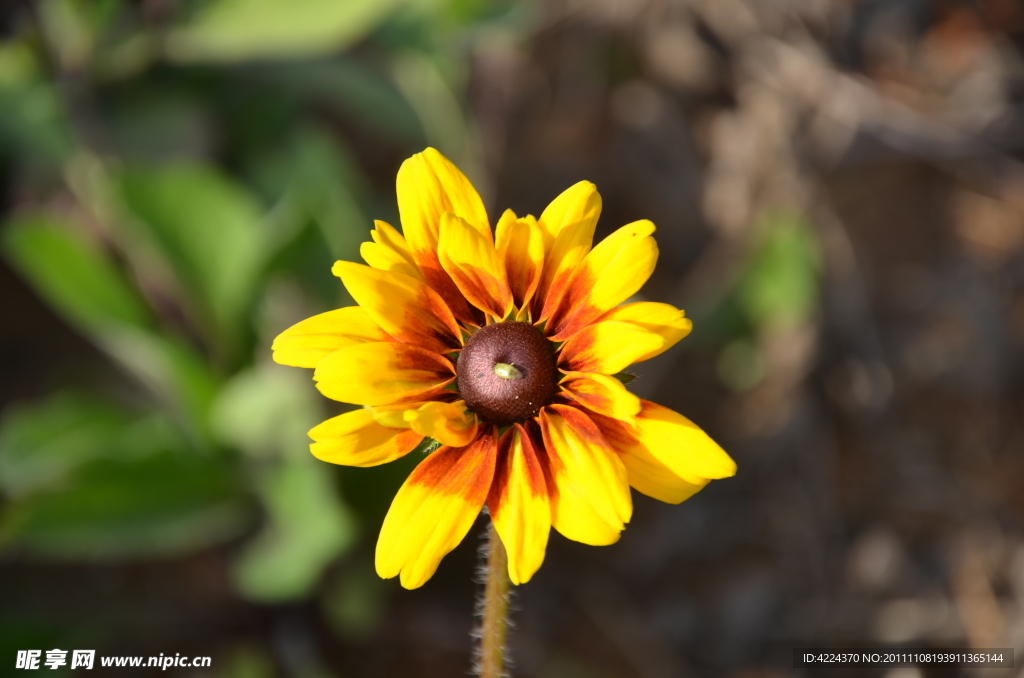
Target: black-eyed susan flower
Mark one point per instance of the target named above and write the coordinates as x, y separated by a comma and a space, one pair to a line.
504, 347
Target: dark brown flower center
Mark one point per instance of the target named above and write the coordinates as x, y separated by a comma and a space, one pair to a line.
507, 372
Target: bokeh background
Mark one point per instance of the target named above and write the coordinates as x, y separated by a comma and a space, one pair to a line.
839, 191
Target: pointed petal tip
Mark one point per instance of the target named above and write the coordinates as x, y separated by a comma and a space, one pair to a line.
340, 267
644, 227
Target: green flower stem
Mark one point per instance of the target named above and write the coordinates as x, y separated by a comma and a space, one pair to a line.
495, 608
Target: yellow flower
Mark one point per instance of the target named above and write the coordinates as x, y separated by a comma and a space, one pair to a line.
503, 347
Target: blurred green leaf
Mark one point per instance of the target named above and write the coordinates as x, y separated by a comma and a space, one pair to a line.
780, 283
99, 13
163, 505
172, 370
41, 444
354, 604
325, 182
89, 480
82, 285
18, 65
67, 31
315, 183
266, 411
74, 27
71, 274
469, 12
236, 30
160, 124
367, 97
210, 228
33, 123
308, 528
740, 365
435, 102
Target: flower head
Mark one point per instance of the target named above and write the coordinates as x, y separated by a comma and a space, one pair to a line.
504, 347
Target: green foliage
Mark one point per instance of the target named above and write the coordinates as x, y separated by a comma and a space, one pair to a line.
308, 527
353, 604
776, 289
354, 89
166, 188
176, 375
446, 126
72, 274
41, 445
740, 365
159, 124
164, 504
235, 30
266, 412
209, 227
33, 122
82, 284
87, 479
780, 282
321, 177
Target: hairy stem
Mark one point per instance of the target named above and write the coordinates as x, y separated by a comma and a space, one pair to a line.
495, 608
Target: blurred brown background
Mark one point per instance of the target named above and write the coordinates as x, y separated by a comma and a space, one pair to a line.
839, 191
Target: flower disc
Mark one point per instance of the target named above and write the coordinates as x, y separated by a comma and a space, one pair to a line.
507, 372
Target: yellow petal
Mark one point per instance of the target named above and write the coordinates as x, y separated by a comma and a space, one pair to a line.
501, 235
665, 320
680, 445
473, 264
647, 474
579, 203
569, 223
520, 244
392, 416
519, 505
448, 423
607, 347
355, 439
611, 273
389, 251
592, 503
434, 510
304, 344
395, 415
602, 394
382, 374
402, 306
428, 186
